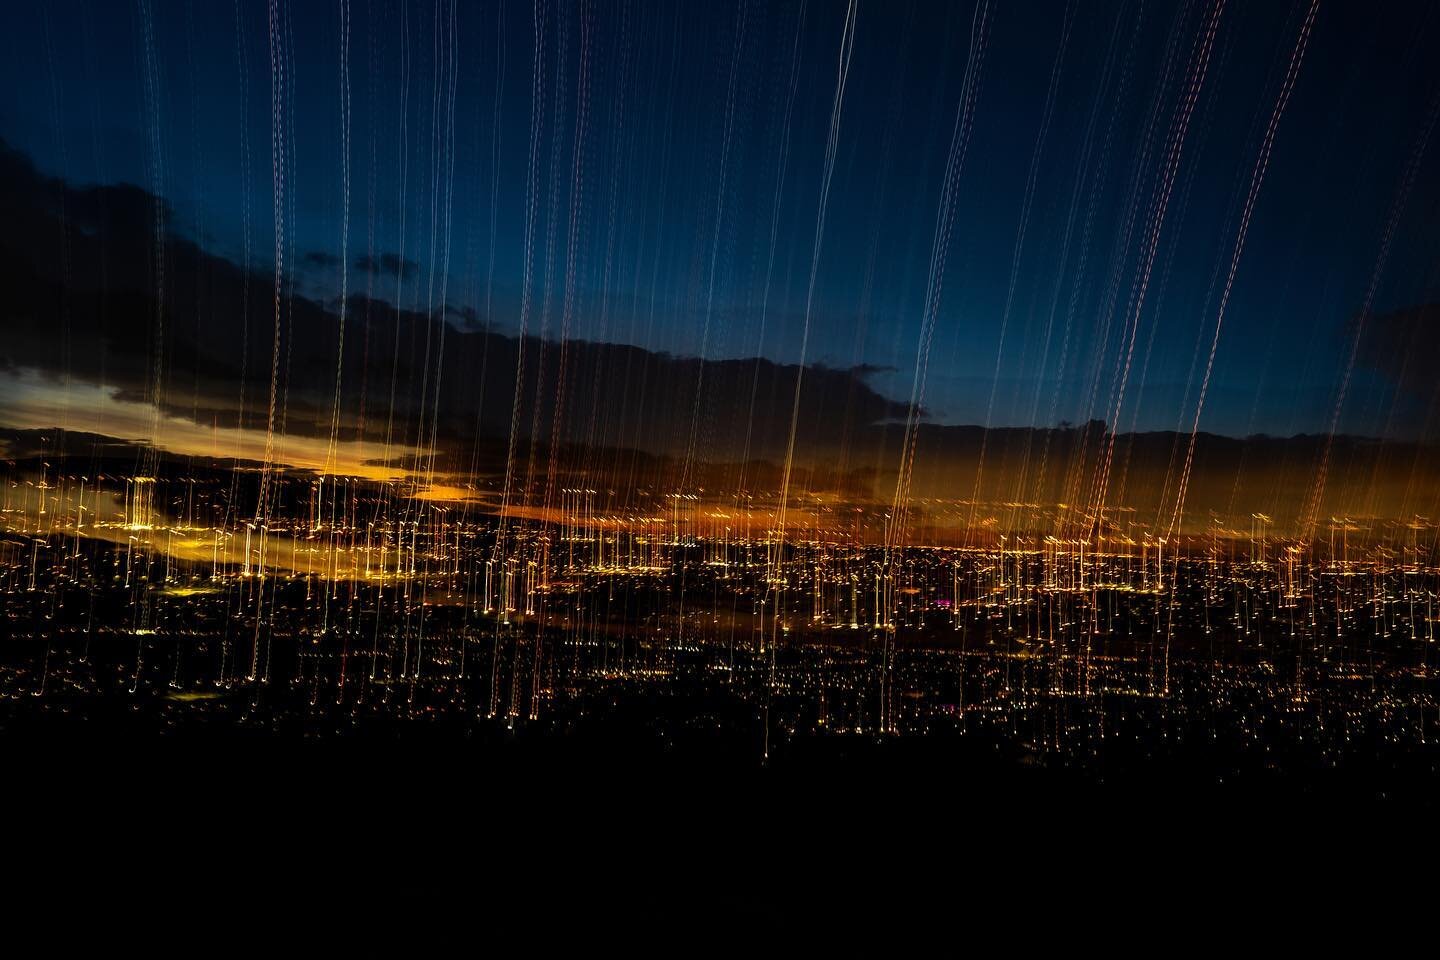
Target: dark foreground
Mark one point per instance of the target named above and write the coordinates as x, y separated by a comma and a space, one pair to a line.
565, 838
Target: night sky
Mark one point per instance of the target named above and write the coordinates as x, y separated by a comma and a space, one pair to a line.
679, 467
678, 153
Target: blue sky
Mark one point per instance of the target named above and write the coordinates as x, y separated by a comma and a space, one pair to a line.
662, 228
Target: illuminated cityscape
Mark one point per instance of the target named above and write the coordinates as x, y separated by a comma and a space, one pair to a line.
1021, 408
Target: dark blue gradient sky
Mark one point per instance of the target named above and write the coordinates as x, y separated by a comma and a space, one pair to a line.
664, 225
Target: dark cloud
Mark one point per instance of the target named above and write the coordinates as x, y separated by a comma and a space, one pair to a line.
1400, 345
467, 318
320, 259
864, 370
83, 299
390, 264
95, 313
